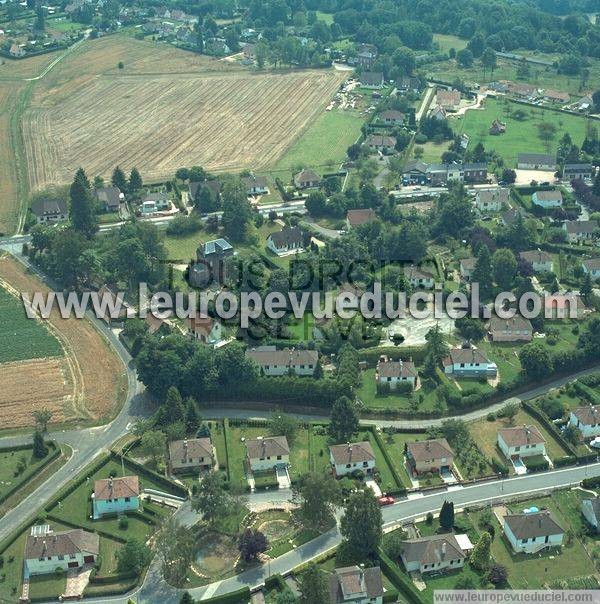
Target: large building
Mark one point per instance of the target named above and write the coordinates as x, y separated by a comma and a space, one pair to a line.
116, 496
536, 161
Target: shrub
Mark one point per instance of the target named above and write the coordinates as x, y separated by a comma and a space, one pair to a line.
123, 523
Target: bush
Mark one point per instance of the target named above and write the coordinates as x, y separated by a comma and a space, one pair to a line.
123, 523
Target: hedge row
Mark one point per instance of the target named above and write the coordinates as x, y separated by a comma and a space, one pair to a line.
233, 597
225, 430
117, 578
399, 484
536, 465
275, 582
402, 583
371, 355
591, 483
547, 423
586, 392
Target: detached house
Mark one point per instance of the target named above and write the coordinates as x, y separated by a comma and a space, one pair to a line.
469, 363
532, 532
536, 161
116, 496
587, 419
205, 329
434, 455
191, 455
516, 329
269, 453
275, 362
211, 262
307, 179
379, 142
591, 267
580, 230
590, 508
372, 79
578, 172
356, 585
366, 55
256, 185
46, 550
523, 441
352, 457
491, 200
49, 211
392, 117
419, 278
393, 373
359, 217
547, 199
540, 261
109, 198
289, 239
433, 554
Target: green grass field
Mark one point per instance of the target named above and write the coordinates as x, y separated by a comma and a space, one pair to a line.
23, 338
446, 42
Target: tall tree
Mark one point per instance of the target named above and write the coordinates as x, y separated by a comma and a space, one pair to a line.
317, 494
40, 18
251, 543
133, 557
361, 525
212, 500
135, 181
313, 586
447, 515
153, 444
482, 274
118, 179
39, 446
343, 420
504, 265
480, 556
282, 424
81, 209
175, 547
192, 417
42, 417
536, 360
237, 212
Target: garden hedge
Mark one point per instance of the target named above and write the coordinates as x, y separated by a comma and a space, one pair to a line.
233, 597
402, 583
397, 479
547, 423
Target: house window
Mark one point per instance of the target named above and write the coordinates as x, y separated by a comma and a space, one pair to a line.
127, 499
547, 539
61, 557
279, 457
523, 540
72, 556
517, 448
348, 465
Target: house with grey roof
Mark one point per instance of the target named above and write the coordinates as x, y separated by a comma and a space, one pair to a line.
591, 267
352, 457
515, 329
532, 532
536, 161
256, 185
469, 363
540, 261
109, 198
434, 553
418, 277
577, 172
307, 179
380, 142
211, 262
587, 419
356, 585
267, 453
590, 508
50, 211
547, 199
391, 373
391, 117
289, 239
275, 362
491, 200
580, 230
372, 79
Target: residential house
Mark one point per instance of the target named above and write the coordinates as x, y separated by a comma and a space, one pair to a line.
256, 185
408, 83
352, 457
275, 362
532, 532
46, 550
381, 142
441, 174
426, 456
556, 96
205, 329
393, 373
16, 51
307, 179
414, 172
497, 128
467, 266
491, 200
289, 239
438, 113
366, 55
521, 441
591, 267
211, 262
268, 453
372, 79
585, 103
469, 363
547, 199
577, 172
109, 198
191, 455
115, 496
540, 261
418, 277
355, 218
391, 117
449, 100
50, 211
590, 508
580, 230
474, 173
435, 553
516, 329
155, 202
587, 419
522, 90
249, 51
356, 585
536, 161
510, 216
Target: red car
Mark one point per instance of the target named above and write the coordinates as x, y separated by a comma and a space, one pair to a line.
386, 500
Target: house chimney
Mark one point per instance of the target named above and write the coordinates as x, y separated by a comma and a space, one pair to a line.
44, 547
443, 550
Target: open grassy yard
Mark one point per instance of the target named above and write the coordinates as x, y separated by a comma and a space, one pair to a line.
506, 356
446, 42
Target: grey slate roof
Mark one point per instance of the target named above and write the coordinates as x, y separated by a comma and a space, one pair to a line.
63, 543
270, 446
287, 236
430, 550
352, 582
536, 158
352, 453
43, 207
526, 526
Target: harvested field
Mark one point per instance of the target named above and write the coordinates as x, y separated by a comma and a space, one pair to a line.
93, 372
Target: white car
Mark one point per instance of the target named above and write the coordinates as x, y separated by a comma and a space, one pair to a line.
595, 443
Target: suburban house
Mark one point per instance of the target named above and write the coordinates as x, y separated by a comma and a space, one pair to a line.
287, 240
414, 172
448, 99
523, 441
307, 179
532, 532
467, 266
540, 261
536, 161
47, 211
580, 230
46, 550
438, 113
393, 373
391, 117
356, 585
205, 329
109, 198
366, 55
418, 277
591, 267
351, 457
275, 362
556, 96
154, 202
116, 496
469, 363
590, 508
426, 456
547, 199
268, 453
359, 217
497, 128
380, 142
577, 172
211, 262
440, 174
372, 79
512, 215
516, 329
191, 455
491, 200
433, 554
405, 83
256, 185
587, 419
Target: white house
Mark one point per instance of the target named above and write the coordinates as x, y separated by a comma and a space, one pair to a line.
491, 200
587, 419
356, 585
289, 239
275, 362
116, 496
536, 161
580, 230
256, 185
591, 267
532, 532
468, 362
540, 261
352, 457
590, 508
434, 553
419, 278
268, 453
46, 550
395, 372
547, 199
205, 329
155, 202
520, 442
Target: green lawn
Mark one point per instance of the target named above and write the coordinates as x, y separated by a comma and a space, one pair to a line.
432, 152
446, 42
23, 338
506, 356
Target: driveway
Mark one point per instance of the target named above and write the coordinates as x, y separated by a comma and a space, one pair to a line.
373, 486
283, 478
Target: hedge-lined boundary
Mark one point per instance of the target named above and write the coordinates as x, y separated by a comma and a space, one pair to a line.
404, 585
400, 488
547, 423
233, 597
225, 441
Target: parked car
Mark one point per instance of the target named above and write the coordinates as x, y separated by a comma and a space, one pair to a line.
386, 500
